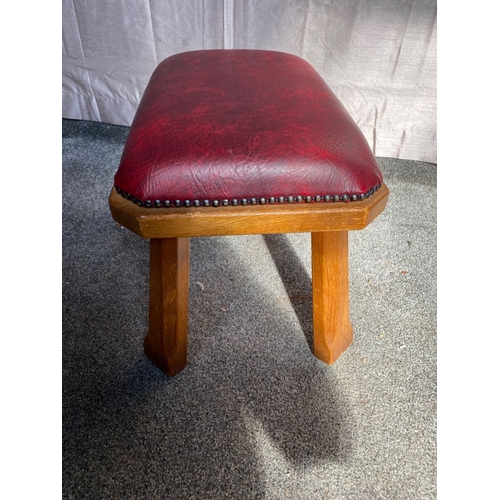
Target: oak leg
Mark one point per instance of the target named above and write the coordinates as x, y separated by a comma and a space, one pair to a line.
330, 287
166, 342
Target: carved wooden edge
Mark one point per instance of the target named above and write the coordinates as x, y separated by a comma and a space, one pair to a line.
237, 220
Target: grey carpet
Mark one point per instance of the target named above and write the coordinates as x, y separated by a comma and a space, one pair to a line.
254, 415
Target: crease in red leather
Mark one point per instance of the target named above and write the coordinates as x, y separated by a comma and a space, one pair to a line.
217, 124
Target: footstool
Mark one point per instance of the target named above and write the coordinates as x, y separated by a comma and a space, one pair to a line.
233, 142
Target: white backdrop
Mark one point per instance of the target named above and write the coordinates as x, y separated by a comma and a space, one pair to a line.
378, 56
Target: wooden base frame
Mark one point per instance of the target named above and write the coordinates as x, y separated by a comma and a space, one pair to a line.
169, 230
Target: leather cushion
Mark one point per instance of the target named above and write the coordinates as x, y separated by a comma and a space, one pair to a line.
242, 124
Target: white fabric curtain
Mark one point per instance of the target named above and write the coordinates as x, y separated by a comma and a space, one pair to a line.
378, 56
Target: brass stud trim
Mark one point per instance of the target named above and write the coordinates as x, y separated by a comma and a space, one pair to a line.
327, 198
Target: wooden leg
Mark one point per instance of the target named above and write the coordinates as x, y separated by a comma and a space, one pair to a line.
330, 286
166, 342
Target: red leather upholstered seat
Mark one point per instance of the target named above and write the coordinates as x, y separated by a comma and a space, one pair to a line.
229, 127
219, 128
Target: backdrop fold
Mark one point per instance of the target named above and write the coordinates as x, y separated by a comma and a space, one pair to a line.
379, 57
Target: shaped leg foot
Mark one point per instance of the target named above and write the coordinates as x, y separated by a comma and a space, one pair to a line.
166, 342
330, 286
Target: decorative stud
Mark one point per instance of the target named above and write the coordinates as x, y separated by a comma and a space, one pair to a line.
253, 201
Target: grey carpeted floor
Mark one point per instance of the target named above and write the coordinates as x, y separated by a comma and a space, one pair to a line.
254, 415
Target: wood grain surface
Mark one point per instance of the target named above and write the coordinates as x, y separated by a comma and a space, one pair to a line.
166, 342
255, 219
330, 291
